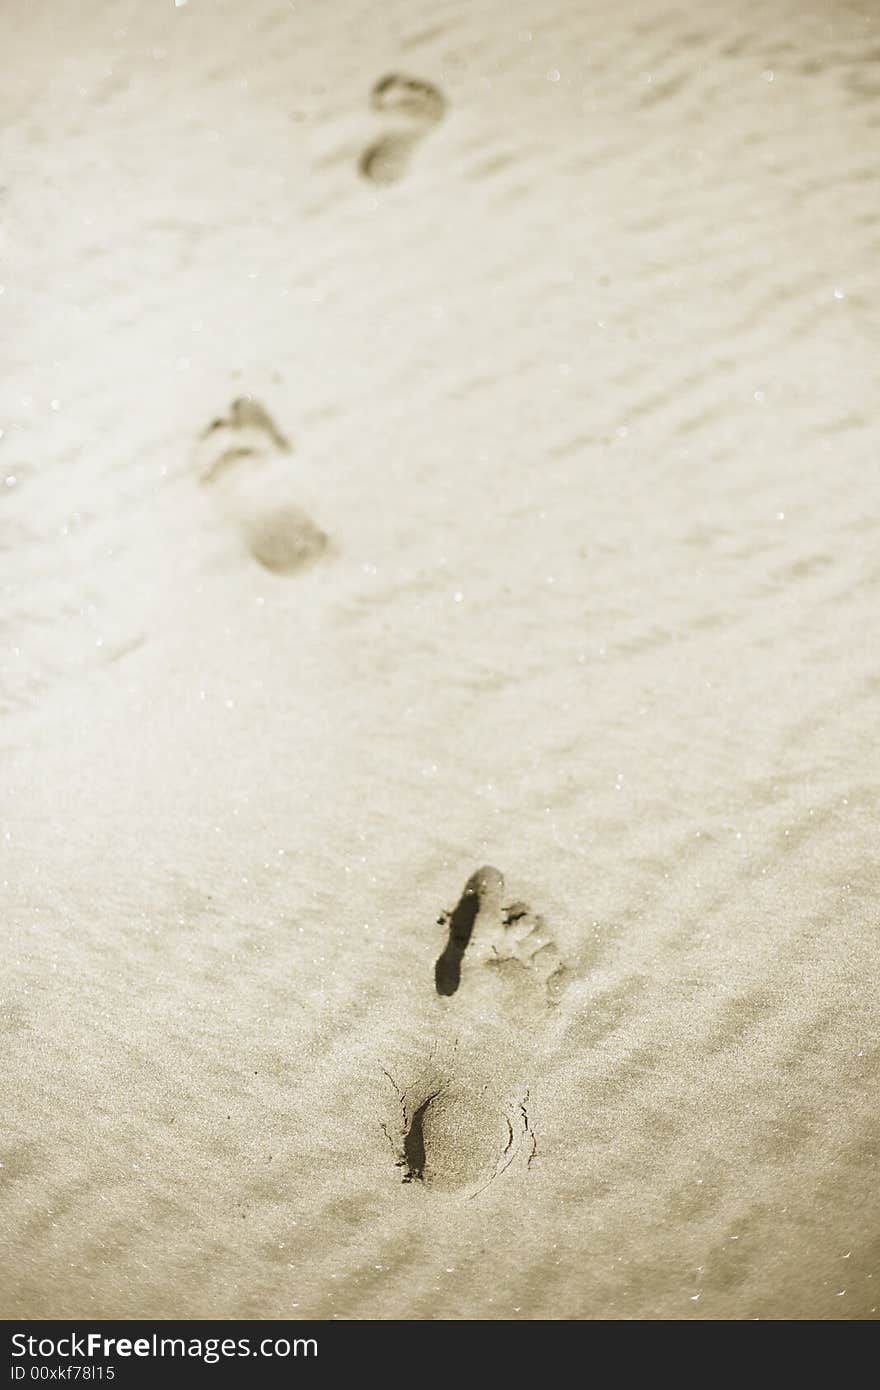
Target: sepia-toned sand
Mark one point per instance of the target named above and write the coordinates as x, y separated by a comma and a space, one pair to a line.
541, 546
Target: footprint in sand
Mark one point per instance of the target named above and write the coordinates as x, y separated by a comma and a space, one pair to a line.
245, 459
513, 942
415, 107
465, 1118
448, 1131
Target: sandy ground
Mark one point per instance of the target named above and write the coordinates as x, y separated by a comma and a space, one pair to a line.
570, 568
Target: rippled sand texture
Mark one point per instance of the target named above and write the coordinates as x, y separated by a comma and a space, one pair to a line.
558, 555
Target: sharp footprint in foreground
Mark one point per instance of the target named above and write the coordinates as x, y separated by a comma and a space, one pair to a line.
466, 1117
415, 107
245, 458
513, 942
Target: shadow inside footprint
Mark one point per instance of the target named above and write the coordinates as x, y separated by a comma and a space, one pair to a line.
414, 1142
419, 105
480, 886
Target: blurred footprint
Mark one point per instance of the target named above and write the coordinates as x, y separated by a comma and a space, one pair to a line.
418, 106
244, 457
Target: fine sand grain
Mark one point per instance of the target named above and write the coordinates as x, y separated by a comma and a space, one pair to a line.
434, 436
